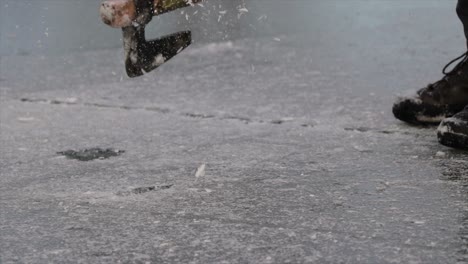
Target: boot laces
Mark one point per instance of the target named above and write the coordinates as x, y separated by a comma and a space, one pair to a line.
463, 60
456, 70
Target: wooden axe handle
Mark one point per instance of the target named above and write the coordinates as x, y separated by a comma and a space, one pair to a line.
121, 13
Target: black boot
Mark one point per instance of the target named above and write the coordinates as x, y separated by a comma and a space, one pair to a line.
439, 100
453, 131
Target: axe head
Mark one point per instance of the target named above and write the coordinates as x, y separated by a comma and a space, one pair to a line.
132, 16
142, 56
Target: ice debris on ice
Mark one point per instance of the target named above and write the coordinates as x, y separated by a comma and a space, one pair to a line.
200, 171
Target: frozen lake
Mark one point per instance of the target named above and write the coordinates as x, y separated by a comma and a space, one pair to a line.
270, 140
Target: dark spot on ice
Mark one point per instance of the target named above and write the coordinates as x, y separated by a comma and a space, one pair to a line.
91, 154
46, 101
387, 132
277, 122
239, 118
158, 109
358, 129
32, 100
192, 115
281, 121
142, 190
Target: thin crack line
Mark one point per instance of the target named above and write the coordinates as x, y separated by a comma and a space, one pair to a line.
161, 110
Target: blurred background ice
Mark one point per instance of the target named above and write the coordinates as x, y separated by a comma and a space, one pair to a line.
57, 26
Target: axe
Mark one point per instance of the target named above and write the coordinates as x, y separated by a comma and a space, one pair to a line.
132, 16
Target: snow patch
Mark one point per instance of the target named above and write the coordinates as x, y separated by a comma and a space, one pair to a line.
444, 129
430, 119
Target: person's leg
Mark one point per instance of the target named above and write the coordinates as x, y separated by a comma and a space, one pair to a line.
462, 11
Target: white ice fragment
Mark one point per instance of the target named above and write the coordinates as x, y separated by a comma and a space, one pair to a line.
200, 171
70, 100
26, 119
262, 17
381, 188
243, 10
440, 154
214, 48
158, 60
443, 129
361, 148
277, 39
133, 57
223, 12
429, 119
287, 119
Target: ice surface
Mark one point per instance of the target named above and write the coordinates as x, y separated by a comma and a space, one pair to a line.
305, 161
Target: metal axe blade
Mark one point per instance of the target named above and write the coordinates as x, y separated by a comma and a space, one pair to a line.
144, 56
132, 16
